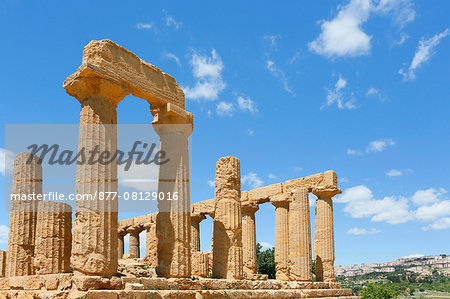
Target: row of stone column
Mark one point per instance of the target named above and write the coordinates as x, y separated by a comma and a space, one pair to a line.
39, 231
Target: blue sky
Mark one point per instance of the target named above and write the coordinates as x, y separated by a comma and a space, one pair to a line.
291, 89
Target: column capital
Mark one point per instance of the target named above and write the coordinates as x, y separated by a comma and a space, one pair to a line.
281, 200
197, 218
326, 192
84, 86
122, 232
134, 229
171, 114
249, 207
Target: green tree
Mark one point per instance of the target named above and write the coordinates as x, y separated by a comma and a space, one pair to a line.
266, 261
383, 291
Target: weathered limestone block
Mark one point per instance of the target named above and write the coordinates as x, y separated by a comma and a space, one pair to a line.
116, 64
263, 194
53, 238
324, 234
173, 227
249, 237
300, 256
195, 230
95, 229
2, 263
27, 179
227, 229
200, 263
151, 244
134, 242
281, 203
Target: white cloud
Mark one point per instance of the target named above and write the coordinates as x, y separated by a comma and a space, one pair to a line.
423, 54
353, 152
272, 39
344, 180
428, 196
246, 104
434, 212
252, 180
225, 109
144, 26
360, 203
211, 183
173, 57
379, 145
336, 96
208, 73
297, 168
250, 132
6, 161
372, 92
4, 232
279, 74
265, 245
140, 176
413, 256
362, 231
403, 38
170, 21
344, 36
440, 224
272, 176
394, 172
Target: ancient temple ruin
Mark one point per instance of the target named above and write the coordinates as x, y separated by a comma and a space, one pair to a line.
50, 256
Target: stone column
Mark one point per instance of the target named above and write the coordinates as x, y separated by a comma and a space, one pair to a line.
200, 263
227, 230
195, 231
134, 242
2, 263
120, 246
27, 180
300, 256
95, 228
173, 227
281, 204
151, 244
249, 237
324, 234
53, 238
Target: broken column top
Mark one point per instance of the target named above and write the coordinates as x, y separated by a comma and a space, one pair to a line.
107, 60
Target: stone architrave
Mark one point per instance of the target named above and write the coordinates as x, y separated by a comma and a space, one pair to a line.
281, 203
249, 237
324, 233
173, 222
227, 228
300, 256
27, 180
53, 238
195, 231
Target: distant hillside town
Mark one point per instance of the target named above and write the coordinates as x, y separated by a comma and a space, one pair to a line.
421, 264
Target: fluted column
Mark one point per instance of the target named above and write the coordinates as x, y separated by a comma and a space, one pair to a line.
281, 237
134, 242
95, 228
324, 234
173, 228
195, 231
53, 238
27, 180
249, 237
151, 244
2, 263
227, 230
120, 245
300, 256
